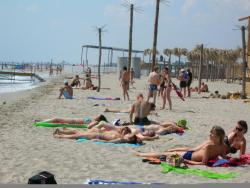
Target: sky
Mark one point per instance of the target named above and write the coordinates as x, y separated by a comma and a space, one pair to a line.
41, 30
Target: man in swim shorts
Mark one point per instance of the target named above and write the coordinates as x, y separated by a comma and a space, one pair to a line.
154, 81
66, 91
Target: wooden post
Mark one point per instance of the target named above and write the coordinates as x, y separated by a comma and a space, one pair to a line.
130, 36
100, 58
200, 68
82, 61
155, 34
244, 64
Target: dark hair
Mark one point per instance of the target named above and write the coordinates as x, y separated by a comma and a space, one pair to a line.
152, 106
243, 124
127, 129
125, 68
166, 68
134, 140
140, 95
102, 118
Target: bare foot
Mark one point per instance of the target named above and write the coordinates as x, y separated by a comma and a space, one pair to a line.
56, 132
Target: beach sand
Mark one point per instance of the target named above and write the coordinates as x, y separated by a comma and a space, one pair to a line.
27, 150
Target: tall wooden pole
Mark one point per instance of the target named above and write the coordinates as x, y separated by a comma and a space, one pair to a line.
82, 61
200, 68
244, 64
155, 33
100, 58
130, 36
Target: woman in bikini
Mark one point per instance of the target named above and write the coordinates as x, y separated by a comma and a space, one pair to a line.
79, 121
201, 154
235, 140
167, 88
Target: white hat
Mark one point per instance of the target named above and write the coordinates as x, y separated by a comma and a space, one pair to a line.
182, 70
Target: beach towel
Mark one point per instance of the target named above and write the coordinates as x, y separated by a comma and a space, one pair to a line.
198, 172
178, 92
229, 162
109, 143
104, 98
105, 182
46, 124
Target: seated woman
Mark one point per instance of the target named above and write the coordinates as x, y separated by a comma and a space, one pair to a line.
201, 154
90, 122
123, 136
235, 140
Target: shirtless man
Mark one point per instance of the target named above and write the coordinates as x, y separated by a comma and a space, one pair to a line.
154, 81
201, 154
66, 91
125, 82
123, 136
141, 109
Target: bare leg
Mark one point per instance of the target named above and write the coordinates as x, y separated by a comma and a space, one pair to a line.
153, 154
106, 126
164, 99
69, 121
117, 111
61, 93
154, 95
184, 92
168, 91
126, 91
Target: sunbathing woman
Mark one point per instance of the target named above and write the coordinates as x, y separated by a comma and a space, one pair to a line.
79, 121
144, 135
200, 155
122, 136
235, 140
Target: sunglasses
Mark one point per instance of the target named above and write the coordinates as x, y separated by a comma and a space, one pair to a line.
238, 129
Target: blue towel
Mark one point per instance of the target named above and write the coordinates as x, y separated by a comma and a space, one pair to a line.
108, 143
220, 162
104, 182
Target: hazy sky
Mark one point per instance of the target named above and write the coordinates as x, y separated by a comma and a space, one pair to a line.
38, 30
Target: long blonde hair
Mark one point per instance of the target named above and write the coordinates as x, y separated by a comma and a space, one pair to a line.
220, 133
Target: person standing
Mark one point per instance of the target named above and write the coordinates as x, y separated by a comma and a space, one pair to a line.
183, 81
189, 82
154, 81
125, 78
132, 73
167, 88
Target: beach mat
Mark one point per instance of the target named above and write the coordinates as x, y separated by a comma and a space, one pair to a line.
46, 124
104, 98
198, 172
109, 143
230, 162
107, 182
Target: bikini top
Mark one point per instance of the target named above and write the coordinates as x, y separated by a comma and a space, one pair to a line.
231, 148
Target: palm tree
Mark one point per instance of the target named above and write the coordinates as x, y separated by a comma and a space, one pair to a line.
168, 52
157, 10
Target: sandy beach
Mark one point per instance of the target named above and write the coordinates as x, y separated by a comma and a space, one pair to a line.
27, 150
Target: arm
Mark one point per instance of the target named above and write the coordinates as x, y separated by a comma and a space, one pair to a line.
243, 148
193, 162
148, 138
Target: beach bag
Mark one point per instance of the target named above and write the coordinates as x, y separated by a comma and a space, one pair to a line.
175, 160
43, 178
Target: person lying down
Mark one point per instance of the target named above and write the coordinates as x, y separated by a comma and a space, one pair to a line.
123, 135
200, 155
148, 133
